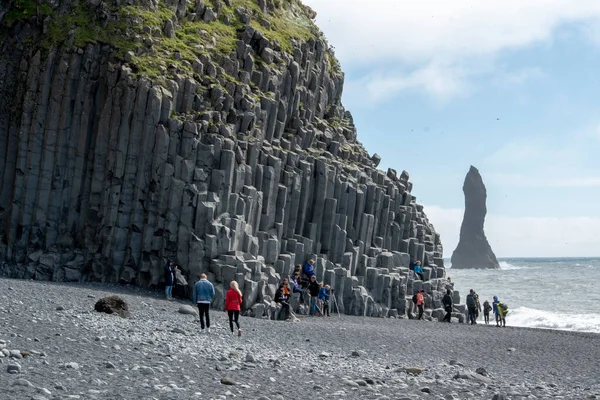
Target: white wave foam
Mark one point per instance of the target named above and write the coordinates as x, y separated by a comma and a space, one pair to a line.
532, 318
504, 265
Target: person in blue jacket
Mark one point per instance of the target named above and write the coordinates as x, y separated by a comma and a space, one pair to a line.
204, 291
309, 269
324, 300
170, 269
418, 269
495, 310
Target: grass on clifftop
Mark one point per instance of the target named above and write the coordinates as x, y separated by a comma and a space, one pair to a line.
127, 27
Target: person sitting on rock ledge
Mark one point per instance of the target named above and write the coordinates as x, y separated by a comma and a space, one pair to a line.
419, 270
204, 291
309, 269
282, 296
296, 285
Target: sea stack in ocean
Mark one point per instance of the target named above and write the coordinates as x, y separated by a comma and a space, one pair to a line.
473, 250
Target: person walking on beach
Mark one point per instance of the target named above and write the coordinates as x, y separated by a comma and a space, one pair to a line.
471, 307
419, 270
447, 302
233, 305
170, 269
421, 303
204, 291
486, 312
495, 309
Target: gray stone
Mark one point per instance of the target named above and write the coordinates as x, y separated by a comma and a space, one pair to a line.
473, 250
13, 368
188, 310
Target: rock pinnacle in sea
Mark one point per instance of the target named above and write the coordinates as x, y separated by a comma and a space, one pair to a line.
473, 250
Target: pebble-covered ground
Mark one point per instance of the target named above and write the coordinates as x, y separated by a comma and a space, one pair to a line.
55, 346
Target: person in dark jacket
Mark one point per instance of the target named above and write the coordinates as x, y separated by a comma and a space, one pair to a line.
471, 307
313, 289
447, 302
282, 296
486, 311
170, 269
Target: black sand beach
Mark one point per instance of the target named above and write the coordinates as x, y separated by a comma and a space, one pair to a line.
158, 353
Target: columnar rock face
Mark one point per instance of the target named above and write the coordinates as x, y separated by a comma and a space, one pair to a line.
473, 250
238, 161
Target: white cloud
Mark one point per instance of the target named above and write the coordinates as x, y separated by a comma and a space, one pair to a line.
439, 45
523, 237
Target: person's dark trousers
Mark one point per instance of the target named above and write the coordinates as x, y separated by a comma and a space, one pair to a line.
472, 313
203, 311
421, 308
497, 319
234, 315
285, 311
448, 316
420, 275
486, 317
326, 307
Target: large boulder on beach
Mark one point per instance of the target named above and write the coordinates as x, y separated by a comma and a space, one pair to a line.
473, 250
112, 305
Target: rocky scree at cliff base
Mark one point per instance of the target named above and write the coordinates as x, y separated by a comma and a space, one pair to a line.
207, 131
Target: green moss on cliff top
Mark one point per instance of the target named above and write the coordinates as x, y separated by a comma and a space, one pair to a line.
140, 30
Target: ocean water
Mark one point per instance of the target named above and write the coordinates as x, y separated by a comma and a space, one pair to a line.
549, 293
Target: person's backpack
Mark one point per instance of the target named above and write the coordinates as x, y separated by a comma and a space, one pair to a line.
412, 265
504, 308
470, 301
414, 298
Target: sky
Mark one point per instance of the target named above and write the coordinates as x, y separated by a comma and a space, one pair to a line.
511, 87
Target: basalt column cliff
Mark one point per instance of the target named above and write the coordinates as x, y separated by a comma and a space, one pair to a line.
473, 250
207, 131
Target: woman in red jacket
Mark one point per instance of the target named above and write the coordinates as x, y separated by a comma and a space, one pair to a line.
233, 304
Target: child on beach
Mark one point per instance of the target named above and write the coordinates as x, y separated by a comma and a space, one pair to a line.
486, 311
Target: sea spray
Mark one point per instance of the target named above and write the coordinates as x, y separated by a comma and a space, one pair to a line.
549, 293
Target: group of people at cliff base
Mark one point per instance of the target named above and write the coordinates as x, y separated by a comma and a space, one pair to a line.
304, 282
474, 308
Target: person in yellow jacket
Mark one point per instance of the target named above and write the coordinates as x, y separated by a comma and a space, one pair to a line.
502, 311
